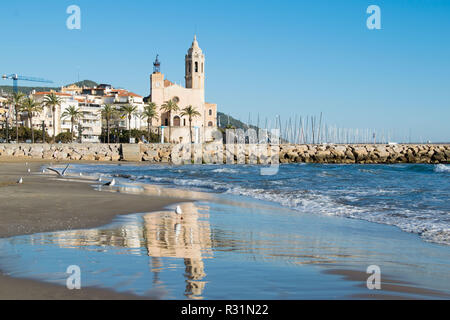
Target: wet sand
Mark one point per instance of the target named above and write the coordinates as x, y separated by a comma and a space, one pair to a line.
47, 204
44, 204
391, 289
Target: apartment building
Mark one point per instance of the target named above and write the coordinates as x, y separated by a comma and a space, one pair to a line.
90, 102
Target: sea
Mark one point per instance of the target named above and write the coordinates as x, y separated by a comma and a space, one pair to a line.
257, 236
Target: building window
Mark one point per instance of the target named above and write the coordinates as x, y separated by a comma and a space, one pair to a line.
166, 122
210, 124
184, 122
176, 121
196, 66
210, 112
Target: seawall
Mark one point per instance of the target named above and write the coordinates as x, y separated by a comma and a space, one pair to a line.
162, 153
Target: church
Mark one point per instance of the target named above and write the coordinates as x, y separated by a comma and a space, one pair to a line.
193, 94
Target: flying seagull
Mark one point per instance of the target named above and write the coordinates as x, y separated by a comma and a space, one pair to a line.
20, 181
111, 184
61, 174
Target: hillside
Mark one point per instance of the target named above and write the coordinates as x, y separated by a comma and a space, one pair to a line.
85, 83
28, 90
226, 120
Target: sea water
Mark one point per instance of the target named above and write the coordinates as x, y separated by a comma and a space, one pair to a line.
413, 197
266, 237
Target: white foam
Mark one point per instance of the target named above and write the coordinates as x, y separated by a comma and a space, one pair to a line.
442, 168
225, 170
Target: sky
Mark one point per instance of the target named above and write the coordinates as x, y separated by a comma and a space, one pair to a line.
263, 58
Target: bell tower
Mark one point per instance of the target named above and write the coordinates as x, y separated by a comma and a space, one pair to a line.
195, 67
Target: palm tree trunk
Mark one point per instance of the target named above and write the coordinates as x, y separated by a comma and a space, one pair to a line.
148, 129
129, 128
170, 126
32, 129
17, 124
54, 124
107, 128
190, 129
71, 129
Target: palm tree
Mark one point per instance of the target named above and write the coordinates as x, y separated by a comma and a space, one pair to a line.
149, 114
16, 101
191, 113
169, 107
53, 101
128, 111
30, 106
108, 111
74, 114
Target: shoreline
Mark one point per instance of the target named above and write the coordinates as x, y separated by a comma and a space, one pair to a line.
103, 207
24, 211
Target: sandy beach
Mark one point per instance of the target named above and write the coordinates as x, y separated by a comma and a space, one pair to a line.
43, 204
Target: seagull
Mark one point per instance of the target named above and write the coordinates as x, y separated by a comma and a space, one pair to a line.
61, 174
178, 210
20, 181
99, 179
111, 184
29, 170
43, 171
81, 174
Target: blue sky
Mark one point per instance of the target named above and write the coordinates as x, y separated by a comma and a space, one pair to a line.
263, 57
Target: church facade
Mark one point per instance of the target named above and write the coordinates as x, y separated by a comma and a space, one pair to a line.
193, 94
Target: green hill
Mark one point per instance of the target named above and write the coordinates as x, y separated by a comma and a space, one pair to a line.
226, 120
86, 83
28, 90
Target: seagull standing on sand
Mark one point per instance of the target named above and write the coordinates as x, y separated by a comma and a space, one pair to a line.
178, 211
29, 170
20, 181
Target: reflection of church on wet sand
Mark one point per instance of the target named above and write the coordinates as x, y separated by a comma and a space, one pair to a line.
169, 235
164, 235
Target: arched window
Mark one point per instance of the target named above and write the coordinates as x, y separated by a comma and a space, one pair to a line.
210, 124
176, 121
196, 66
